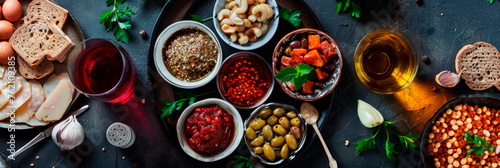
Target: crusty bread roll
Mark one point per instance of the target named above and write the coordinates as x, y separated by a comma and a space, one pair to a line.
39, 38
481, 65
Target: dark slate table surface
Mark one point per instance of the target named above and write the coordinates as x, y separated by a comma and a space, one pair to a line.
439, 29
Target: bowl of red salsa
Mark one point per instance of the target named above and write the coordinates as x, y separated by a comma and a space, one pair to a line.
209, 130
307, 51
245, 80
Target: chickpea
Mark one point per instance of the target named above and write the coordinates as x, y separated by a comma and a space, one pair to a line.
450, 159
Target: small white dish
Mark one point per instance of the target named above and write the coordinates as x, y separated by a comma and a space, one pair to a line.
261, 41
226, 107
158, 54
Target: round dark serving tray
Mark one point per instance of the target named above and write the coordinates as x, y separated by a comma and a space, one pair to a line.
176, 10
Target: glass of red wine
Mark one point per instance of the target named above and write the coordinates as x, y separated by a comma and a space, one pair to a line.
102, 70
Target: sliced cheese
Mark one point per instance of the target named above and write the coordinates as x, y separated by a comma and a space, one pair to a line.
57, 102
12, 88
51, 83
34, 122
28, 109
19, 99
2, 71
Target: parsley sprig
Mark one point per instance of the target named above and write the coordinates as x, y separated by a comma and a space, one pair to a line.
198, 19
243, 162
112, 20
480, 144
491, 1
348, 6
292, 16
297, 75
406, 141
186, 96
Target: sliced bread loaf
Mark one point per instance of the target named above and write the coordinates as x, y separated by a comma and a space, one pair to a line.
40, 71
39, 38
52, 11
480, 64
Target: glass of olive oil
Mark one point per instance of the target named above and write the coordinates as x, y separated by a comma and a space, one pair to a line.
386, 61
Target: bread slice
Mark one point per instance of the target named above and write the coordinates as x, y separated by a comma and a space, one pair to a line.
40, 71
39, 38
55, 13
480, 64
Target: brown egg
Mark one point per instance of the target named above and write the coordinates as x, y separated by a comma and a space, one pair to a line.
12, 10
6, 30
1, 15
6, 51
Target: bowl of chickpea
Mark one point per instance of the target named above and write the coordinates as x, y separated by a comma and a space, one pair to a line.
246, 24
449, 136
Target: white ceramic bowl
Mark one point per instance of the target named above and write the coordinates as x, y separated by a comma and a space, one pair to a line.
158, 56
238, 129
262, 40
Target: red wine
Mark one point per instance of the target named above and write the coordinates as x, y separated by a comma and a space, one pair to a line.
103, 71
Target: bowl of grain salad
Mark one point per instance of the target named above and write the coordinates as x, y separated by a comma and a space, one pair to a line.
465, 132
187, 54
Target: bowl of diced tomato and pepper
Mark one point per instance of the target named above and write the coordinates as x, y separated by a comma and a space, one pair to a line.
307, 64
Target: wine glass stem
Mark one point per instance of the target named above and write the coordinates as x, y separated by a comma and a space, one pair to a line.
331, 162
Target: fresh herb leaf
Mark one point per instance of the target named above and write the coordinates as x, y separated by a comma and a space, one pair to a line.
112, 20
297, 75
407, 142
170, 106
367, 144
198, 19
389, 150
243, 162
348, 6
491, 1
292, 16
480, 144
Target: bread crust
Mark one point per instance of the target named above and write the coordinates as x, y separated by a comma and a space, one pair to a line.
45, 68
480, 63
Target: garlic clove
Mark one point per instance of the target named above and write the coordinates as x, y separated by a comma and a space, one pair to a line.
368, 115
68, 134
447, 79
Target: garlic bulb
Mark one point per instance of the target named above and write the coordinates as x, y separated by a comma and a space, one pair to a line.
447, 79
369, 116
68, 134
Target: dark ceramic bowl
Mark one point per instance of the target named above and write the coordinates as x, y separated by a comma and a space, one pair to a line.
333, 76
472, 100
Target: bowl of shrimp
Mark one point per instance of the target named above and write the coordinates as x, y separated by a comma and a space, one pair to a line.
246, 24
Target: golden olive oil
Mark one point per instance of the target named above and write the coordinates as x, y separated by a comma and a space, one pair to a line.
385, 61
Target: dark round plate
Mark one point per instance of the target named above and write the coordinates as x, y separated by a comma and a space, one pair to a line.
176, 10
477, 99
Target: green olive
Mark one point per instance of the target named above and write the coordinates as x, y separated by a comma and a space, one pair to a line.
279, 112
277, 141
295, 131
269, 153
264, 113
284, 122
258, 150
257, 124
288, 50
250, 134
291, 114
280, 130
258, 141
295, 121
267, 133
272, 120
284, 152
291, 141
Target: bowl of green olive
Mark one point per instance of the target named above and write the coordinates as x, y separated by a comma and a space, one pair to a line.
274, 133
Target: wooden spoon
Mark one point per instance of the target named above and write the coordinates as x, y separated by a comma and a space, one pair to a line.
311, 115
